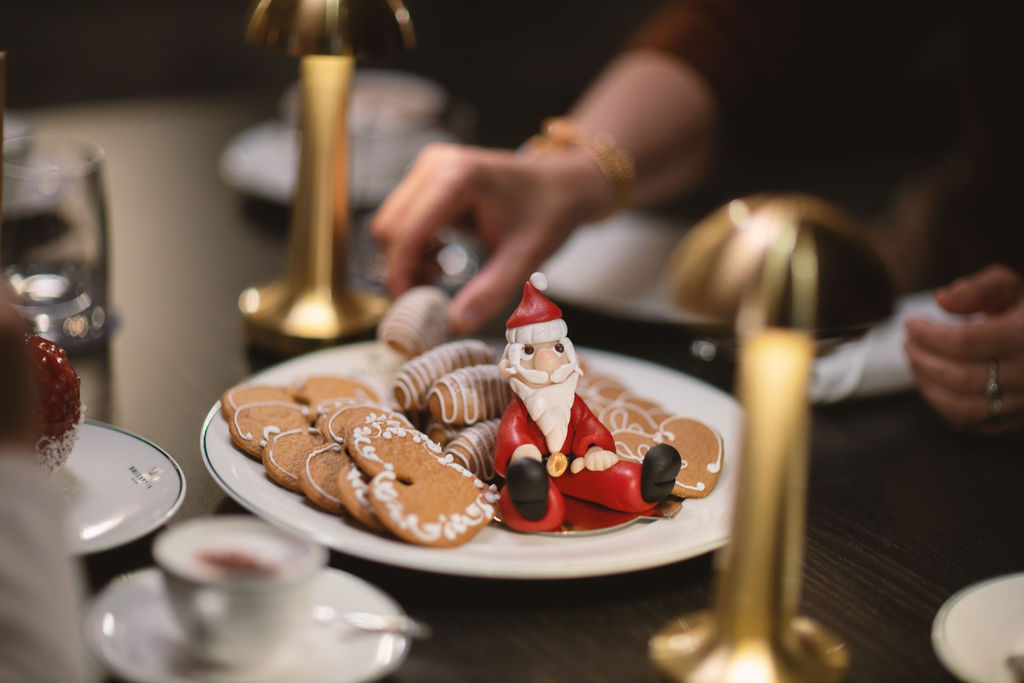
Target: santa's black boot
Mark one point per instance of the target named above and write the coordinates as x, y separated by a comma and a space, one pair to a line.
527, 483
658, 473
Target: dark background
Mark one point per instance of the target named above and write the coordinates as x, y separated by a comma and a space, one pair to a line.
515, 62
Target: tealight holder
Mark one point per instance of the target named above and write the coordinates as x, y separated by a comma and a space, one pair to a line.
789, 270
314, 305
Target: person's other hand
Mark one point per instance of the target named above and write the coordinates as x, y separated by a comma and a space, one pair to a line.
952, 363
521, 211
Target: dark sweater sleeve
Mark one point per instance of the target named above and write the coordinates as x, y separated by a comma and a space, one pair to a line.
738, 46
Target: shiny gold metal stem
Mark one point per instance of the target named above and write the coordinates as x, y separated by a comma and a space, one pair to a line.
754, 634
315, 306
319, 225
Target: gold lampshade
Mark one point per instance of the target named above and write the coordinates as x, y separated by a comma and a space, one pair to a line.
724, 258
785, 268
357, 28
314, 305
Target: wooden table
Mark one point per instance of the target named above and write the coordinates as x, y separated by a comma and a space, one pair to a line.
902, 511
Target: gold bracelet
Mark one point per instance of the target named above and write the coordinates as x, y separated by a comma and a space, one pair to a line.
615, 162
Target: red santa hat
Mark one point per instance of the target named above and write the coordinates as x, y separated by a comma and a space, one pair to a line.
536, 319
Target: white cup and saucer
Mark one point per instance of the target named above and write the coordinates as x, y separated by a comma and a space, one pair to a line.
233, 598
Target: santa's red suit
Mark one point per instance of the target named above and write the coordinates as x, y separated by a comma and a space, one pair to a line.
617, 487
537, 320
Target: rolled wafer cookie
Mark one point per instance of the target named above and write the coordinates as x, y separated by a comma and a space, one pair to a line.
471, 394
416, 321
473, 448
415, 377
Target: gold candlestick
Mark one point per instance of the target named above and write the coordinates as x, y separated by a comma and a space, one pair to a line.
315, 305
779, 266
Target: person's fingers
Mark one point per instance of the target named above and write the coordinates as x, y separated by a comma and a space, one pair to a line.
430, 198
489, 290
992, 289
964, 377
995, 335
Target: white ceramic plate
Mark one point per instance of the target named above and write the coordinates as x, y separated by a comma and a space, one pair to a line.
119, 487
979, 627
130, 630
701, 525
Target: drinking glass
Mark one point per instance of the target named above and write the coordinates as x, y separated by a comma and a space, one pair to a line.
53, 241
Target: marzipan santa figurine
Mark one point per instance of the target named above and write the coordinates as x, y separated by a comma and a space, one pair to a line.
549, 442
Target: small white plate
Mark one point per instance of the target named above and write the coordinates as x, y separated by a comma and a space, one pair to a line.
979, 627
702, 525
129, 628
119, 487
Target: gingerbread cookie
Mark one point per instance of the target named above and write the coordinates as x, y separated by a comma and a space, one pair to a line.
414, 378
637, 424
354, 492
417, 321
473, 448
330, 389
318, 476
250, 393
286, 453
471, 394
337, 424
252, 424
418, 493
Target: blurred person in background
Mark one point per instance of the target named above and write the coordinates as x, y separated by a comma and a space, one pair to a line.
714, 99
39, 584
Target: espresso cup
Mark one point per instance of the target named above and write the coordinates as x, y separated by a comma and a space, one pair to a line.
239, 587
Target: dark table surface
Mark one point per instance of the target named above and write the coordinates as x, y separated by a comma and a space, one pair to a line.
902, 511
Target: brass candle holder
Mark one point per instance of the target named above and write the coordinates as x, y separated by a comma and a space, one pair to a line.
789, 270
314, 305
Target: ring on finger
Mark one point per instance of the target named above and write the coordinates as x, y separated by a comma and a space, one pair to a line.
993, 390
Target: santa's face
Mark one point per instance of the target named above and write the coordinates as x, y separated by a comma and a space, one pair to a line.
541, 363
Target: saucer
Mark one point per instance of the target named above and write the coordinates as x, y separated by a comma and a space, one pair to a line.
119, 487
130, 630
979, 627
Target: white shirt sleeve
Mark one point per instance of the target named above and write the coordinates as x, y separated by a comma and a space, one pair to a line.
40, 590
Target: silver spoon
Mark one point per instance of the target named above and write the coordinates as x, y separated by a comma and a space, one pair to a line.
399, 624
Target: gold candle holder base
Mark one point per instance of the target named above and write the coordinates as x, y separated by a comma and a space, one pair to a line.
290, 322
692, 649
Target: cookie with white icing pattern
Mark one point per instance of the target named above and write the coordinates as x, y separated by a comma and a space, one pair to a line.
323, 389
415, 377
253, 424
416, 321
336, 424
318, 477
420, 494
353, 490
250, 393
473, 448
286, 453
468, 395
637, 424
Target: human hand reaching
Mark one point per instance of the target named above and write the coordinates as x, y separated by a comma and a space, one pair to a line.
521, 211
972, 372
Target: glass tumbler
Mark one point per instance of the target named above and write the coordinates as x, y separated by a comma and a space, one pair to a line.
53, 241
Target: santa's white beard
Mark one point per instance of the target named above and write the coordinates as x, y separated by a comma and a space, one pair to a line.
550, 407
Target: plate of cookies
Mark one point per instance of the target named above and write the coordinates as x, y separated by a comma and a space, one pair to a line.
389, 450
